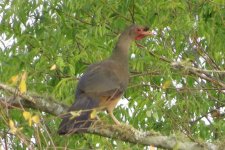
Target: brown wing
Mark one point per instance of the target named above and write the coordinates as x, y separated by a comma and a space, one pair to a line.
100, 80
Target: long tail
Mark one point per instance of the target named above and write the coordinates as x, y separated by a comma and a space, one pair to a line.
78, 119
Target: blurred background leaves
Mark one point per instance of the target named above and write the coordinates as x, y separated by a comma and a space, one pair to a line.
54, 41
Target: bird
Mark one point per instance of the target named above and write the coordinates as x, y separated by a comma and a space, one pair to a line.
102, 85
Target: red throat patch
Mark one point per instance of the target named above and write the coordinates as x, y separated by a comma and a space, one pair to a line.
139, 37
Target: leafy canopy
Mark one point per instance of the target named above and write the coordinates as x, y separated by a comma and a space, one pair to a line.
45, 46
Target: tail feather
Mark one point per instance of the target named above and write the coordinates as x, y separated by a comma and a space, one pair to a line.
78, 124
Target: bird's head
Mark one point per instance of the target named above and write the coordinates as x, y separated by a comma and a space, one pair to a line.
137, 32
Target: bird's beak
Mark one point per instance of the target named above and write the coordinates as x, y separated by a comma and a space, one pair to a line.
146, 33
143, 34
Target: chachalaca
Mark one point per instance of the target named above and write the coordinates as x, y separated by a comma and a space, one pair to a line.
102, 85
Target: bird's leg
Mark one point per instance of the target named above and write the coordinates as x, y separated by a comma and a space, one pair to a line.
113, 118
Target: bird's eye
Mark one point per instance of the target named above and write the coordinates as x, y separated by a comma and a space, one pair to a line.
138, 29
146, 28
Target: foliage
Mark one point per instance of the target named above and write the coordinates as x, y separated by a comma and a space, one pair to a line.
45, 46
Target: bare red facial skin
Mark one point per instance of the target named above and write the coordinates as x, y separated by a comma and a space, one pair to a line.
142, 32
139, 37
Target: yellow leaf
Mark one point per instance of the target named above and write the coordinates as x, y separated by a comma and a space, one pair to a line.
36, 119
30, 122
93, 114
23, 86
14, 79
53, 67
75, 114
166, 84
12, 127
26, 115
11, 124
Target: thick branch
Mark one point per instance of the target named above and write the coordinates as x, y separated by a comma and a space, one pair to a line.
16, 92
122, 132
46, 104
129, 134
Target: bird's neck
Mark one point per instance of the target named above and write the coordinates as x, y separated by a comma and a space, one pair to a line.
121, 50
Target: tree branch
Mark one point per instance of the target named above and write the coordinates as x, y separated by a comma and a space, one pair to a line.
200, 73
123, 132
129, 134
29, 100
